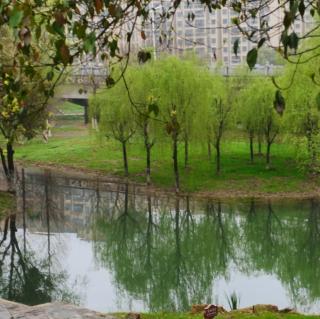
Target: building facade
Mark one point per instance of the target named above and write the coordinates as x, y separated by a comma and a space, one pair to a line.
210, 35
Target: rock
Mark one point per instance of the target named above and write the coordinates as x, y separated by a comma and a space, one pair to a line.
133, 315
288, 310
243, 310
199, 308
265, 308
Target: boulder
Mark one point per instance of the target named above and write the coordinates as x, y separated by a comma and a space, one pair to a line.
265, 308
133, 315
199, 308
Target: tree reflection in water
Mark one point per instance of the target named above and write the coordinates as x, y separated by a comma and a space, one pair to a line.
167, 258
24, 276
170, 256
169, 252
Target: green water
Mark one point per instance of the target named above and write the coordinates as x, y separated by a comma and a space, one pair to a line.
111, 250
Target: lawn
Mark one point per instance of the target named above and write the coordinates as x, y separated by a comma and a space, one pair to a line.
71, 108
228, 315
238, 174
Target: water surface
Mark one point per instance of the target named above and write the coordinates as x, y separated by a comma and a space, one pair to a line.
110, 248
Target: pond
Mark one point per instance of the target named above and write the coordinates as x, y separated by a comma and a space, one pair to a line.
110, 248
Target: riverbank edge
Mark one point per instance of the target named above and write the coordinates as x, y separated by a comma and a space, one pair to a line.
11, 310
86, 173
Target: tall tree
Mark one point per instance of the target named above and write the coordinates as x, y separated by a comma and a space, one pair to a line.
250, 112
216, 114
117, 118
302, 116
143, 91
179, 90
23, 101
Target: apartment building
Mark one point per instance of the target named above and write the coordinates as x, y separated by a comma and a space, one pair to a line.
210, 35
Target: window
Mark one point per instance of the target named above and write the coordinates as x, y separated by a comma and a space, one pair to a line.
188, 33
235, 59
199, 23
199, 31
200, 51
225, 21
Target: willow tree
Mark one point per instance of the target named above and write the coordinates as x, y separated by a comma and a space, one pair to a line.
117, 118
259, 113
250, 112
143, 92
303, 114
179, 90
215, 114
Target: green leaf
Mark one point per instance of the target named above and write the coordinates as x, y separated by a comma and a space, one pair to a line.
252, 57
302, 8
16, 16
279, 102
293, 41
89, 43
50, 75
113, 46
110, 82
287, 20
236, 46
261, 42
153, 108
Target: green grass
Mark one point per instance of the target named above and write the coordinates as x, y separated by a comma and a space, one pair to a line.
233, 315
238, 174
71, 108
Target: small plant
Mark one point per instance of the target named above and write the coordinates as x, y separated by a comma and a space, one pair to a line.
233, 301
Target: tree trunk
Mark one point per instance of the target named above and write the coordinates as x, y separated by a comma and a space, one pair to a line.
125, 158
148, 170
268, 154
259, 145
175, 161
209, 150
251, 147
10, 153
218, 157
186, 153
148, 150
4, 163
10, 168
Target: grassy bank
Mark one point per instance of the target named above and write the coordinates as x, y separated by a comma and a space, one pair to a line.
229, 315
73, 146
